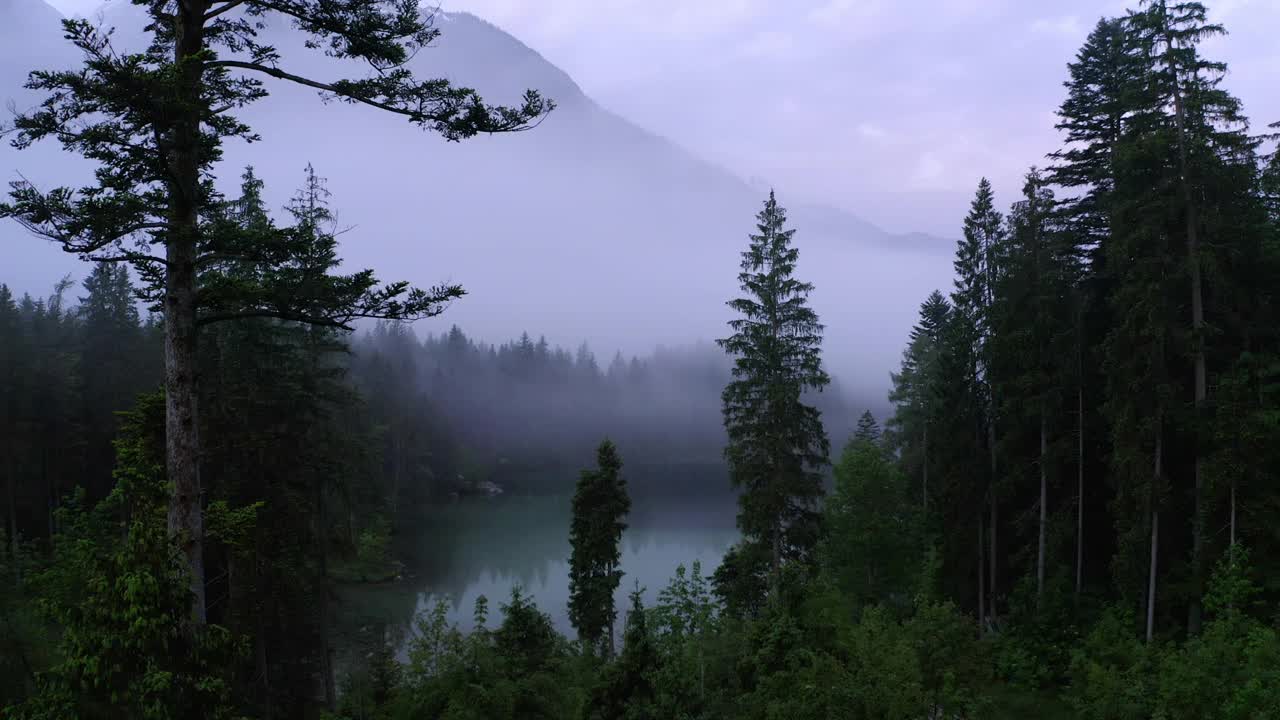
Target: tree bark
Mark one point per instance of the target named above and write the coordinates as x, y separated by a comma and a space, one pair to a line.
924, 488
1233, 512
11, 491
1151, 579
982, 596
991, 558
322, 549
1079, 487
1155, 529
1044, 502
182, 440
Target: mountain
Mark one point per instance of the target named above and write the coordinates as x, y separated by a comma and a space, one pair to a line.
587, 227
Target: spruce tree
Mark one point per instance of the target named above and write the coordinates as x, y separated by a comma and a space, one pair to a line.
627, 691
777, 446
915, 387
868, 429
155, 122
600, 506
979, 266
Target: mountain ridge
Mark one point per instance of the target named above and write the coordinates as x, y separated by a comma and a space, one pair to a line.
616, 234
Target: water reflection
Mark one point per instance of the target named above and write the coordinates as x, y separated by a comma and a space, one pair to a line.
488, 546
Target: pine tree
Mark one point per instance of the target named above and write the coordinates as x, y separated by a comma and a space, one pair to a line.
979, 266
1028, 341
156, 121
915, 388
627, 692
872, 543
1103, 88
600, 505
868, 429
777, 445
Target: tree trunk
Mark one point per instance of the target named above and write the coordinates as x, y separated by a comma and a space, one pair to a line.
1197, 337
397, 463
982, 596
51, 495
1233, 513
1079, 488
182, 451
11, 492
1044, 502
610, 647
1151, 579
924, 488
322, 548
777, 560
1155, 529
991, 559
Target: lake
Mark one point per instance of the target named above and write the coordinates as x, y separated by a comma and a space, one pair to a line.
486, 546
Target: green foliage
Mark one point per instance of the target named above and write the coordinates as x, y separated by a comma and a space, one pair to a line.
626, 690
118, 592
516, 671
599, 508
1231, 671
872, 541
24, 637
373, 543
1113, 674
955, 668
697, 645
1033, 651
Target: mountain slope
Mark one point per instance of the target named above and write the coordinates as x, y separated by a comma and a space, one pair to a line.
587, 227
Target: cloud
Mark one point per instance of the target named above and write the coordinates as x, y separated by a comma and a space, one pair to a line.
1066, 26
871, 131
929, 172
769, 44
866, 17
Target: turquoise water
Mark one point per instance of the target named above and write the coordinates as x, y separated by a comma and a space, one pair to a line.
487, 546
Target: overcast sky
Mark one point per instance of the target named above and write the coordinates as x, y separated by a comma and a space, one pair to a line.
886, 108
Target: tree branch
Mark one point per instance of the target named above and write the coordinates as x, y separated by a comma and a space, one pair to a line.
272, 314
231, 4
324, 87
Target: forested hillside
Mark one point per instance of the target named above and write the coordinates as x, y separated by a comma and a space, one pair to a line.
1068, 511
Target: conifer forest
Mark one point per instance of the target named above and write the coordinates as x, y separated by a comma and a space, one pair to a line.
244, 477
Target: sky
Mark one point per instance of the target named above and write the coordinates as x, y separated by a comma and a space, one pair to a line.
889, 109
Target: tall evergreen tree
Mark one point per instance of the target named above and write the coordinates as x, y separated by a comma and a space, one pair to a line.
979, 265
155, 123
868, 429
600, 506
777, 445
915, 387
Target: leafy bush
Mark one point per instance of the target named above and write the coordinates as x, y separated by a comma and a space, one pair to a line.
1113, 672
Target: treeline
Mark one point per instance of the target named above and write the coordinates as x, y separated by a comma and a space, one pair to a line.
530, 405
68, 364
1093, 411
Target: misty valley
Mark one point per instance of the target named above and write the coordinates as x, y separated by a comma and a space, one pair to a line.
451, 393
